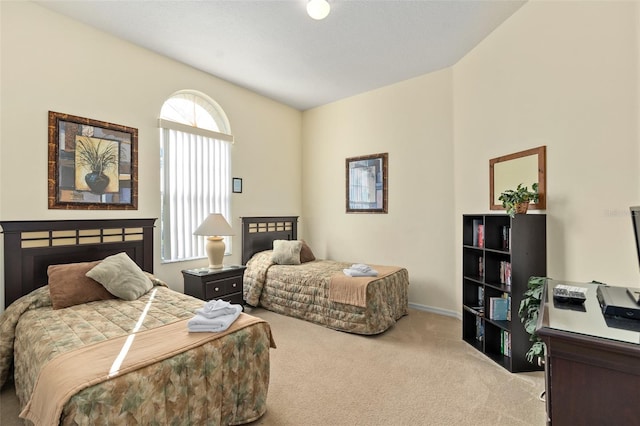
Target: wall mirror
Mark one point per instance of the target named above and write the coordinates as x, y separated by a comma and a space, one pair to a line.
366, 178
526, 167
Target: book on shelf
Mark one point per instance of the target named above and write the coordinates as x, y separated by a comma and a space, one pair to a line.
481, 267
498, 308
479, 329
505, 273
506, 237
474, 230
478, 233
481, 296
505, 343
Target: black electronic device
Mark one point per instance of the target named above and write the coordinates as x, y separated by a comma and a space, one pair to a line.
635, 220
615, 301
569, 294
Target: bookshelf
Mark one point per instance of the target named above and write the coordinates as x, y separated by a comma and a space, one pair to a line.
499, 254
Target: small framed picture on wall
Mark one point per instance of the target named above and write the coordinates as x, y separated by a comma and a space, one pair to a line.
237, 185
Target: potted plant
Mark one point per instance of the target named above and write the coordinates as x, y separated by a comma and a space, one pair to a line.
517, 200
99, 158
528, 313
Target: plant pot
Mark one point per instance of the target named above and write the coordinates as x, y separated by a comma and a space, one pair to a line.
521, 208
97, 181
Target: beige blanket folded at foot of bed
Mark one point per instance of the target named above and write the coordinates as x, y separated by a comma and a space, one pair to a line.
72, 371
353, 290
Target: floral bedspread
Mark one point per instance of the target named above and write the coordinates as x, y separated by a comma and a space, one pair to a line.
302, 291
222, 382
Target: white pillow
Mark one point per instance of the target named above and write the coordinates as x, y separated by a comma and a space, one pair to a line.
121, 276
286, 252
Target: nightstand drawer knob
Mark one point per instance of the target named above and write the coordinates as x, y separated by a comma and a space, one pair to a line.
234, 285
217, 289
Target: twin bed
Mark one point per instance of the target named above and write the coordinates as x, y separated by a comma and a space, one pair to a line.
148, 369
82, 356
317, 290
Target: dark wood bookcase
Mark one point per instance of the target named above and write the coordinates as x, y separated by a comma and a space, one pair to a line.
499, 254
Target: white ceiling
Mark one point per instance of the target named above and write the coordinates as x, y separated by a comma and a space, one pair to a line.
274, 48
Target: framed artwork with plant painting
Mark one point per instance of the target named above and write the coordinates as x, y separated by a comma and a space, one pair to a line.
92, 164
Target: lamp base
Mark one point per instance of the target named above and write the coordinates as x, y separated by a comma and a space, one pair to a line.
215, 252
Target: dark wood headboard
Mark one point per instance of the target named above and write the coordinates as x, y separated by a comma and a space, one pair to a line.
31, 246
258, 233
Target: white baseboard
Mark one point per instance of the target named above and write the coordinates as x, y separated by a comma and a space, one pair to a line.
435, 310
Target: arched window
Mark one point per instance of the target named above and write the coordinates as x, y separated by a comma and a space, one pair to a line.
195, 163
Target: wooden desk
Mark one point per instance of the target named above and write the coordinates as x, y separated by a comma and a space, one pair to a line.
592, 367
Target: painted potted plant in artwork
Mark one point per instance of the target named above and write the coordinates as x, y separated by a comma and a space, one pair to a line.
516, 201
99, 157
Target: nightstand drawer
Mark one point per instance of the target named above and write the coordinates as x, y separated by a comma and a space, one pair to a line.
218, 288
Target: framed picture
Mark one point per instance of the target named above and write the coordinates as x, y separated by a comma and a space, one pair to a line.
92, 164
366, 178
237, 185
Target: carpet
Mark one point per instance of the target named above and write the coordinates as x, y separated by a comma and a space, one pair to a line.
419, 372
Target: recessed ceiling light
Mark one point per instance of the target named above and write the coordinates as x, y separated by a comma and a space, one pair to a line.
318, 9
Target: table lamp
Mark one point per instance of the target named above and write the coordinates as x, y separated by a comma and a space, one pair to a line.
214, 227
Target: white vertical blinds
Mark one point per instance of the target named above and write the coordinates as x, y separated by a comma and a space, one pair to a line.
196, 181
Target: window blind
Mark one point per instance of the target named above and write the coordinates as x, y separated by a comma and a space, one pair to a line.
195, 181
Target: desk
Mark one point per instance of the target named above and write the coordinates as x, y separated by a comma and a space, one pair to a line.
592, 365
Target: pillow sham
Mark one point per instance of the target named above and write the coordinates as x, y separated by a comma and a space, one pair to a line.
69, 285
306, 255
121, 276
286, 252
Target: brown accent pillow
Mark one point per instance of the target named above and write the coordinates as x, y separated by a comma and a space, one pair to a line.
68, 285
306, 255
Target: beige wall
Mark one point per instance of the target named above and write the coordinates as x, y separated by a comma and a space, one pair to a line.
412, 121
564, 75
560, 74
49, 62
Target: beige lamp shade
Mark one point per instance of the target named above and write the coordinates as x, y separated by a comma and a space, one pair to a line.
214, 227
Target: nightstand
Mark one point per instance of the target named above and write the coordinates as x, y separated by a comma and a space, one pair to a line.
207, 284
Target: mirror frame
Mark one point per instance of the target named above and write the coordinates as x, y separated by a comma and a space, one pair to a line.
541, 152
380, 163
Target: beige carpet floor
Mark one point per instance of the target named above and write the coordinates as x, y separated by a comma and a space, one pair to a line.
419, 372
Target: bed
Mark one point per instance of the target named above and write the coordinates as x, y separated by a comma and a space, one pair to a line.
317, 290
159, 374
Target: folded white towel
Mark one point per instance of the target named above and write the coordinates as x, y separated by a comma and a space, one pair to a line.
361, 267
356, 273
202, 324
216, 308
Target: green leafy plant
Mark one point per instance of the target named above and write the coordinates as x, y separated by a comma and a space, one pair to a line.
95, 156
511, 198
528, 313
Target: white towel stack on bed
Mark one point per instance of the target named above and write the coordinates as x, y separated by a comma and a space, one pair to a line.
360, 270
214, 316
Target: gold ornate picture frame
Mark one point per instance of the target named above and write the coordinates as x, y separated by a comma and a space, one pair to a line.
92, 164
